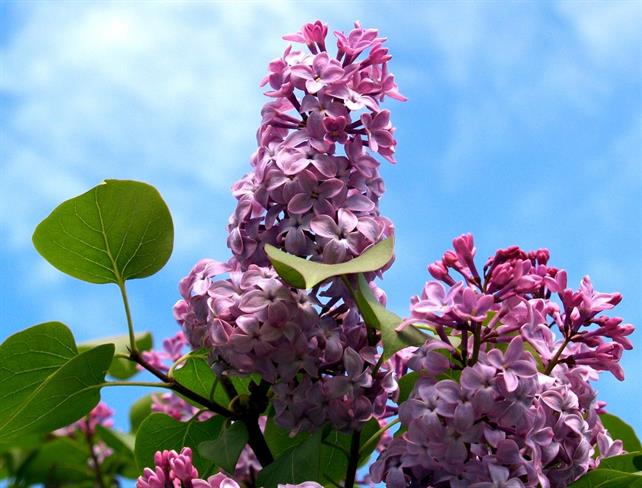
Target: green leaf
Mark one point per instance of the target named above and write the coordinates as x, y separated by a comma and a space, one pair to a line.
406, 384
296, 465
608, 478
139, 411
118, 230
628, 463
61, 461
159, 432
226, 449
121, 442
332, 461
196, 375
122, 461
304, 274
377, 316
44, 383
619, 429
121, 368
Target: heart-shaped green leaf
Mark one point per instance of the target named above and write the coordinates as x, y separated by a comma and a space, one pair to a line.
333, 461
377, 316
629, 463
197, 375
226, 449
619, 429
608, 478
159, 432
44, 383
121, 368
118, 230
304, 274
139, 411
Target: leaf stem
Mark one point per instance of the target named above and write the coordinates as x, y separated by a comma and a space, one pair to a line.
375, 437
130, 322
353, 460
178, 388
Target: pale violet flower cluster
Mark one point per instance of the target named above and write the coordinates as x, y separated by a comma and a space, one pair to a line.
516, 407
175, 470
315, 186
313, 191
101, 415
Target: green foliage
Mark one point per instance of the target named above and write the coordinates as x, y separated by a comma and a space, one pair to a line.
304, 274
619, 429
225, 450
62, 461
406, 384
159, 432
297, 464
121, 368
614, 472
139, 411
377, 316
118, 230
122, 460
331, 453
197, 375
44, 383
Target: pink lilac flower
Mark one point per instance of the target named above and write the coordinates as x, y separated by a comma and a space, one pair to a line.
318, 104
101, 415
314, 191
507, 417
315, 360
172, 469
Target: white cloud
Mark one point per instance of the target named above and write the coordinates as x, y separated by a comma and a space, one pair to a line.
165, 92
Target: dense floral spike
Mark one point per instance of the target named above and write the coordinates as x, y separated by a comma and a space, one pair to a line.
175, 470
252, 322
313, 191
314, 188
509, 419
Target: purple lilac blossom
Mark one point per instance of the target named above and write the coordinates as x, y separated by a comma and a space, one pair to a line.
517, 408
102, 415
172, 469
313, 191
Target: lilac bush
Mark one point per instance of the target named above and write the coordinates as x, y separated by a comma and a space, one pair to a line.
288, 371
520, 410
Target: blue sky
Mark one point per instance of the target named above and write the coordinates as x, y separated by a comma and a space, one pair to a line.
523, 127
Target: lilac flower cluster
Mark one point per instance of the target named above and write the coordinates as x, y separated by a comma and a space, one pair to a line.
102, 415
503, 417
175, 470
314, 188
252, 322
313, 191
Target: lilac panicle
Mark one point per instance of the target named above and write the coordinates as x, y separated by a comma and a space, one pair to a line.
172, 469
313, 191
519, 409
313, 159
